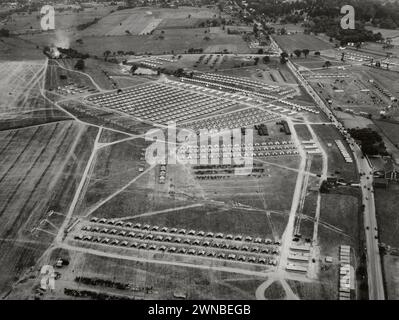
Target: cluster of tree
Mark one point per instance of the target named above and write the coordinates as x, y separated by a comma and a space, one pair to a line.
371, 142
92, 295
4, 33
384, 14
332, 28
83, 26
215, 22
80, 64
102, 282
73, 54
195, 50
299, 52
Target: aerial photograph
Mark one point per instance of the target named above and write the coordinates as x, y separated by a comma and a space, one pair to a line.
199, 150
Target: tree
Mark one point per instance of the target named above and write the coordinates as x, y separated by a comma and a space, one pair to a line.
80, 64
305, 52
297, 52
266, 59
327, 64
133, 69
4, 33
255, 29
283, 57
260, 51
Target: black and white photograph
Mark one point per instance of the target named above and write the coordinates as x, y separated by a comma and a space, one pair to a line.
183, 151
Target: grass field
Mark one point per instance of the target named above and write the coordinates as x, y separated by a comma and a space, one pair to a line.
314, 290
63, 20
300, 41
340, 210
303, 132
386, 202
140, 21
151, 281
115, 166
336, 162
40, 167
391, 267
275, 291
175, 40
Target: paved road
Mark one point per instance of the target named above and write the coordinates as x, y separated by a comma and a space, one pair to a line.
376, 288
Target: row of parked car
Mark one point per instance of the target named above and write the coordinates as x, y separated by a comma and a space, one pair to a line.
147, 227
180, 250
